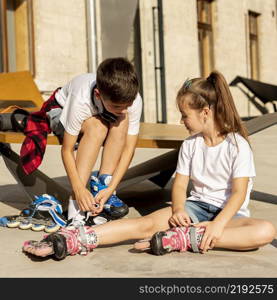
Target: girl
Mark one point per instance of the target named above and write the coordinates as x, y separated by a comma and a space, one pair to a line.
218, 159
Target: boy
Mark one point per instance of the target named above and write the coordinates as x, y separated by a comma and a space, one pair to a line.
105, 110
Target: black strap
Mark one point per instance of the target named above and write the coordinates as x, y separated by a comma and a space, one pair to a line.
16, 125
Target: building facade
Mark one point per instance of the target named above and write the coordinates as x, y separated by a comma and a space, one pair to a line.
167, 41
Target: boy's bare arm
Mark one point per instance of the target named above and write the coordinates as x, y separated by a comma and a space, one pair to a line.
67, 152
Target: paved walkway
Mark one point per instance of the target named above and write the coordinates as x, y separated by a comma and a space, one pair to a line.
120, 261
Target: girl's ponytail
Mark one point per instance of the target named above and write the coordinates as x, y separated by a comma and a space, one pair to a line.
226, 114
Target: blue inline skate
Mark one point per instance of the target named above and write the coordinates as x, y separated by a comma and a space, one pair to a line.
44, 213
114, 208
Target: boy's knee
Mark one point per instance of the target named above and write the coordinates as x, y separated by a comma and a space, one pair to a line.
95, 128
120, 128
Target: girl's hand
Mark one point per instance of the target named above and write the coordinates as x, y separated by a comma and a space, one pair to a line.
85, 200
179, 218
212, 234
102, 197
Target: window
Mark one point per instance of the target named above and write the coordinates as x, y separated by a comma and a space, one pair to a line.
253, 45
205, 36
16, 28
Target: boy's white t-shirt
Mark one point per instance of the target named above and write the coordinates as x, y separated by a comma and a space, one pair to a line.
212, 169
75, 98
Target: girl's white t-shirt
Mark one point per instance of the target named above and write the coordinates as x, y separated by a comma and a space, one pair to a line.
75, 98
212, 169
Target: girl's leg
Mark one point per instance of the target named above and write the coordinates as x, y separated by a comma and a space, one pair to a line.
137, 228
115, 231
113, 146
246, 234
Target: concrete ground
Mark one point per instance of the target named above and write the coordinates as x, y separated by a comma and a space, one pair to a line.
120, 261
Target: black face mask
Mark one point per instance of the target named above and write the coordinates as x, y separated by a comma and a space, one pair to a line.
105, 115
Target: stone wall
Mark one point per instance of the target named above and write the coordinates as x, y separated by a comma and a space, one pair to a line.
231, 48
60, 41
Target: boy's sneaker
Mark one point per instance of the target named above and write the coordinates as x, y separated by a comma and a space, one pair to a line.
114, 207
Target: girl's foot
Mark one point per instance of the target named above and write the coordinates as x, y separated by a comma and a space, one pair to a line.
40, 248
142, 245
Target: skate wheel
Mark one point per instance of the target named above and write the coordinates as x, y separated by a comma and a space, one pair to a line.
13, 224
53, 228
38, 227
25, 225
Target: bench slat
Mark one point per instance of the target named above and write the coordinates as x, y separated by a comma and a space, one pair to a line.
151, 136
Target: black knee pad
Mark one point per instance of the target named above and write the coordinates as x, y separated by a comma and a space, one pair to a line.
59, 245
5, 122
15, 121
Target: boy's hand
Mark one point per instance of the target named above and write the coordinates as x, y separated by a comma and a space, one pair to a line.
86, 201
179, 218
212, 233
102, 197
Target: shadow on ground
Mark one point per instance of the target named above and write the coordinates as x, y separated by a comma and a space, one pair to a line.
146, 200
145, 196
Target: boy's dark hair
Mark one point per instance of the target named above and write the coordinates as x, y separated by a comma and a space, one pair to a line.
117, 80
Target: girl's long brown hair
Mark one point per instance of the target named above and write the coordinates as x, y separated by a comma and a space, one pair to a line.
214, 91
